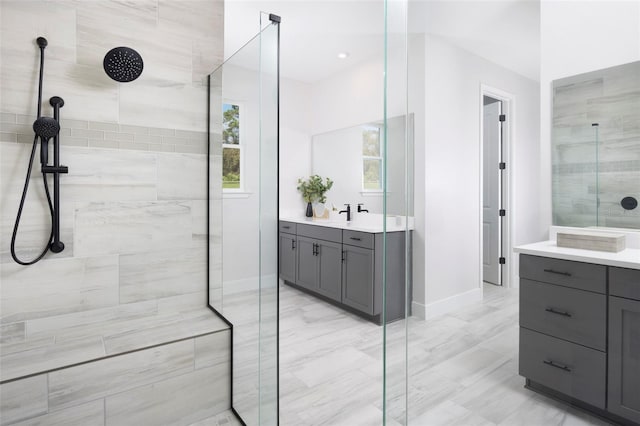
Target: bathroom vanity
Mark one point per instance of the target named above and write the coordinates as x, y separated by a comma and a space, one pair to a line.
580, 327
341, 263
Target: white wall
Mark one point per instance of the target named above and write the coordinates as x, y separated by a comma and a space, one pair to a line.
452, 166
577, 37
240, 214
295, 142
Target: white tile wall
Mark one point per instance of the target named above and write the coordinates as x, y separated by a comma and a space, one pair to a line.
132, 206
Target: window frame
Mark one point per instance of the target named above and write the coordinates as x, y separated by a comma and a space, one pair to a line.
379, 157
240, 146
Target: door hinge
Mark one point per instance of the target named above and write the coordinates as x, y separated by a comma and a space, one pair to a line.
502, 117
502, 165
502, 212
502, 260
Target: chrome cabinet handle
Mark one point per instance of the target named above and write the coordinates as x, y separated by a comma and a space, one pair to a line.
556, 365
551, 271
563, 313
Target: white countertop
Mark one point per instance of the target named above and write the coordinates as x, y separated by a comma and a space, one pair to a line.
627, 258
363, 222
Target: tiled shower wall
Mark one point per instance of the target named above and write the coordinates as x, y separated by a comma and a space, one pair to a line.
589, 166
133, 205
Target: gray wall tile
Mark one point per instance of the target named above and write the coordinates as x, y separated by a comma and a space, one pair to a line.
109, 376
181, 400
23, 399
90, 414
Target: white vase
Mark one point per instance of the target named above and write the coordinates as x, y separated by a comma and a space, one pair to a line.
319, 210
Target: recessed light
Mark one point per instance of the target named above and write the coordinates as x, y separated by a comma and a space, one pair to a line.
343, 55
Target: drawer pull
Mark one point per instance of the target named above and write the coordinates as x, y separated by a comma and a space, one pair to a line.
286, 227
356, 238
551, 271
556, 365
563, 313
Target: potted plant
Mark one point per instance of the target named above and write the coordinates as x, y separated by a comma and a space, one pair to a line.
314, 189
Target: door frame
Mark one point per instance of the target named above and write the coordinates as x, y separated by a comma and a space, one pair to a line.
508, 108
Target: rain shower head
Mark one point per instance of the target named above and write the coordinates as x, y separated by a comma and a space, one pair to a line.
123, 64
46, 127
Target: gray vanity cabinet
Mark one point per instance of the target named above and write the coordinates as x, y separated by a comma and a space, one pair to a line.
307, 264
344, 267
318, 266
287, 258
580, 334
624, 343
357, 278
329, 266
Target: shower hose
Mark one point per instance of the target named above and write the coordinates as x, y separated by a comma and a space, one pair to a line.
26, 184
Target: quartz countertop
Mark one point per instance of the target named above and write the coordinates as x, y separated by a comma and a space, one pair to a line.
627, 258
363, 222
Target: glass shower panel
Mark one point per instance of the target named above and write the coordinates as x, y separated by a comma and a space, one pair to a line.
574, 156
596, 155
398, 214
243, 212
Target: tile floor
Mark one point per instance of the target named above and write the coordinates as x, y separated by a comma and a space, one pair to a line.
462, 368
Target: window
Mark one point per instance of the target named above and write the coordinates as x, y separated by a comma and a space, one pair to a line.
371, 159
231, 148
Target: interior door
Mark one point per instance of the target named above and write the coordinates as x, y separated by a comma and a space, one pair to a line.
491, 192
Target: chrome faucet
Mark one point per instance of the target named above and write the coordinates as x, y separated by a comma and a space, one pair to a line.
360, 209
347, 211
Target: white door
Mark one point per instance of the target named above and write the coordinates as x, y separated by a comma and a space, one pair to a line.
491, 193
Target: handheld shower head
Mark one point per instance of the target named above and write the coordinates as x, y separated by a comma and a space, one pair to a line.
45, 128
123, 64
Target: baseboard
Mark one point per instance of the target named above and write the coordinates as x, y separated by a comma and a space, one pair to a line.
449, 304
418, 310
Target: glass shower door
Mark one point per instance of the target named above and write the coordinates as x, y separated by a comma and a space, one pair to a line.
243, 216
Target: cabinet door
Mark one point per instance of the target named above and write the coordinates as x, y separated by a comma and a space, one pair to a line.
330, 269
357, 278
288, 257
307, 264
624, 358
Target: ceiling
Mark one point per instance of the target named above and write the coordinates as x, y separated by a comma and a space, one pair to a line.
313, 32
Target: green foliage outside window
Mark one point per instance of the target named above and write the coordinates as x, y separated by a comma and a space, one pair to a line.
231, 146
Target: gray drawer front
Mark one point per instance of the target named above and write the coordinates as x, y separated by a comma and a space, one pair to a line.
358, 239
320, 232
624, 283
583, 276
566, 313
585, 374
288, 227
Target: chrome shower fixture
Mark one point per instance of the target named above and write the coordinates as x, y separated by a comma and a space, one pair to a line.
123, 64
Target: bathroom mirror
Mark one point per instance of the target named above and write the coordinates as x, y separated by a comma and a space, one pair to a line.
596, 148
353, 159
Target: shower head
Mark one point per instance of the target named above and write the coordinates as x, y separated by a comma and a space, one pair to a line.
42, 42
46, 127
123, 64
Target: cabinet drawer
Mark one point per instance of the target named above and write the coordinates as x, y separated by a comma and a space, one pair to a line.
358, 239
570, 314
320, 232
288, 227
583, 276
624, 283
568, 368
